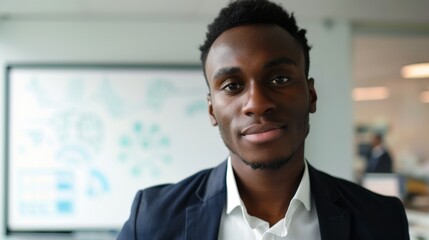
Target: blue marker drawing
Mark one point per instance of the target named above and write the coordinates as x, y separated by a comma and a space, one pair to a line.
46, 193
73, 154
146, 149
195, 108
64, 181
64, 206
90, 130
64, 186
112, 101
40, 94
158, 92
36, 136
76, 127
98, 183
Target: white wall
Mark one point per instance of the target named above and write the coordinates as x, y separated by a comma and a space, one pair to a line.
330, 145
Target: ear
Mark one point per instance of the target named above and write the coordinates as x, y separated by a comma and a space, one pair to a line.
312, 95
210, 108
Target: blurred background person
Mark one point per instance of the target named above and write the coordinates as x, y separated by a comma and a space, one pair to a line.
379, 159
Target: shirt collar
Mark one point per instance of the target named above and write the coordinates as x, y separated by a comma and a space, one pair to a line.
233, 200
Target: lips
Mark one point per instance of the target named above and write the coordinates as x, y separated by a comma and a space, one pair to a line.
263, 132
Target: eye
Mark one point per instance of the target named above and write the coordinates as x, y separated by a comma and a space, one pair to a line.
279, 80
230, 87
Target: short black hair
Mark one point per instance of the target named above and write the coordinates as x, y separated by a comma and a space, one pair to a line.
247, 12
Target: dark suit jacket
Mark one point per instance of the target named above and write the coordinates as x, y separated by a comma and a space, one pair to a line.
380, 164
192, 209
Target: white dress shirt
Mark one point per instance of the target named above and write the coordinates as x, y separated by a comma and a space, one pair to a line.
299, 223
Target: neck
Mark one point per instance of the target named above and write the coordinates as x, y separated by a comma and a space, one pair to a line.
267, 193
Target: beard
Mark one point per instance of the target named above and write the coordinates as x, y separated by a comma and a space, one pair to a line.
273, 164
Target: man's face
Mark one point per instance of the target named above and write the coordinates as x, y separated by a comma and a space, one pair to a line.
259, 95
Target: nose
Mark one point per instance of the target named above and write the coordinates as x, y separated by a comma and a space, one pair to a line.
258, 101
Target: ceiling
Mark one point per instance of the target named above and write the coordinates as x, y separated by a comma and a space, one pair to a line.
378, 56
411, 11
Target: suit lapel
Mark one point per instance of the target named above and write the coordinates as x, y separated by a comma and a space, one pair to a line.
203, 218
334, 221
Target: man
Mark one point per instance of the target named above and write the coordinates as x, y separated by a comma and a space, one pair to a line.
378, 159
256, 63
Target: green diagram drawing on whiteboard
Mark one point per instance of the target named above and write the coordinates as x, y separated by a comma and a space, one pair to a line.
82, 140
145, 149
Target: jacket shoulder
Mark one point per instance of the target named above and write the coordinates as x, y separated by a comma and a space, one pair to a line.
354, 192
166, 205
372, 216
179, 190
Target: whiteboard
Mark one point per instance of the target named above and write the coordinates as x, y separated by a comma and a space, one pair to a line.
81, 140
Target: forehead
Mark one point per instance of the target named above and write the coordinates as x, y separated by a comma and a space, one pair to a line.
252, 43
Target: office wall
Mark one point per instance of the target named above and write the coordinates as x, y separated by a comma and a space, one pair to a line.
329, 146
330, 143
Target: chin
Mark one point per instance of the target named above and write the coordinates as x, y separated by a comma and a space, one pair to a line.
272, 164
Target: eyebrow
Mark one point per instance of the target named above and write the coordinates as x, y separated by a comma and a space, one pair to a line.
280, 61
232, 70
226, 71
